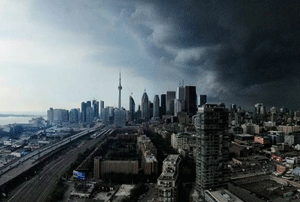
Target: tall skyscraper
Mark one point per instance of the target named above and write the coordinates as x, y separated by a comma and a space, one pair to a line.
180, 96
258, 108
89, 115
131, 108
88, 104
162, 105
156, 106
144, 106
190, 100
171, 95
202, 100
120, 88
96, 108
101, 109
83, 112
177, 106
211, 124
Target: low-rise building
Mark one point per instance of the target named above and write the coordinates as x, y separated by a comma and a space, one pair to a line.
168, 181
149, 153
102, 167
183, 141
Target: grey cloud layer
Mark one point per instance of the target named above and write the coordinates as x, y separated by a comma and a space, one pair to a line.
250, 49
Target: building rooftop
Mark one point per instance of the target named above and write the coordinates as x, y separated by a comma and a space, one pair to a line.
172, 159
223, 195
244, 135
124, 190
150, 157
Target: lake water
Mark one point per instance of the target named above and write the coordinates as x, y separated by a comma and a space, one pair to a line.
15, 119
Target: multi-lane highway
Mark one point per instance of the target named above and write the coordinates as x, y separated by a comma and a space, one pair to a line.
20, 166
39, 187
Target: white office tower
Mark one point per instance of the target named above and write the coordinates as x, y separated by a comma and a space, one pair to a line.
167, 183
156, 106
177, 106
211, 123
180, 96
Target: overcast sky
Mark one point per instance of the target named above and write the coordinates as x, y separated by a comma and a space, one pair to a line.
60, 53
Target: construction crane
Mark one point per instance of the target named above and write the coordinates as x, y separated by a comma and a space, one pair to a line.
130, 91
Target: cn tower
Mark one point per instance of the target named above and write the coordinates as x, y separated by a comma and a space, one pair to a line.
120, 88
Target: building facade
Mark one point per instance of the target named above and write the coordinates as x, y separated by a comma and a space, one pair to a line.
190, 100
168, 181
101, 108
120, 117
202, 100
144, 106
180, 95
131, 108
156, 106
96, 108
170, 97
101, 167
211, 123
73, 117
162, 105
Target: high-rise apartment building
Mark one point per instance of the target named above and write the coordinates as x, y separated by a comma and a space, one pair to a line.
170, 97
144, 106
190, 100
156, 106
211, 124
168, 181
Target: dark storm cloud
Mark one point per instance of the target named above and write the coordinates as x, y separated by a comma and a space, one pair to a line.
251, 47
247, 51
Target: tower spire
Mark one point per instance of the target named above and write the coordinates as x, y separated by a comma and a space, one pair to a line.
120, 88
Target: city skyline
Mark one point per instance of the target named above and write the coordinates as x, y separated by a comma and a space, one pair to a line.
56, 54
